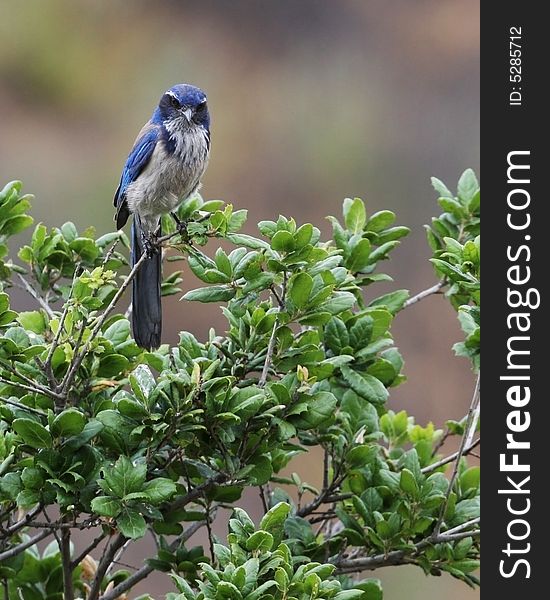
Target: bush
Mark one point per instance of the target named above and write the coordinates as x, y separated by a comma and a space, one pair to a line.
98, 434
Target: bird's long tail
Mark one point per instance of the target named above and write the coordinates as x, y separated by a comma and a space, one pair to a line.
146, 302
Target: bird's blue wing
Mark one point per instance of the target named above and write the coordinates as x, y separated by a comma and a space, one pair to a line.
135, 163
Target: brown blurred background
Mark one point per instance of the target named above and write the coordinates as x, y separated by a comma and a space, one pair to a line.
311, 100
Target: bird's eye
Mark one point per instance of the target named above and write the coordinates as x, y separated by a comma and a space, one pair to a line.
174, 102
201, 106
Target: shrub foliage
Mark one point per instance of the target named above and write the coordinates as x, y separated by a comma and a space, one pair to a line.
97, 434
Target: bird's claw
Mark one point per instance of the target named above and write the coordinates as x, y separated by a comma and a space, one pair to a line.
181, 226
150, 244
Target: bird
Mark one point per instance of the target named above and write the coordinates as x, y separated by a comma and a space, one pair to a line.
163, 169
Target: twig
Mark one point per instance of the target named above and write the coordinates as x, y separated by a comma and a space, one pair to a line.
34, 385
78, 559
26, 520
67, 381
65, 548
197, 492
273, 337
24, 545
463, 526
425, 293
18, 404
263, 499
118, 555
118, 541
29, 288
459, 454
399, 557
468, 450
146, 570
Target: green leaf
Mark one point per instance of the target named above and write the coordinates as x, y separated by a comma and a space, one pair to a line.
112, 365
213, 293
124, 477
300, 289
283, 241
320, 408
408, 483
467, 186
359, 257
67, 423
260, 541
470, 478
106, 506
142, 382
132, 524
441, 188
274, 519
380, 220
32, 433
262, 471
16, 224
336, 335
365, 385
393, 301
158, 490
32, 321
373, 589
118, 332
355, 215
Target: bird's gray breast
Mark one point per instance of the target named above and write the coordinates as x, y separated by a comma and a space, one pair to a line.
170, 177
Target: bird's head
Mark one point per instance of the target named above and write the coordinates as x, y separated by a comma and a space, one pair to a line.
186, 105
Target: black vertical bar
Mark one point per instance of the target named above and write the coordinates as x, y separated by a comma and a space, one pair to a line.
516, 169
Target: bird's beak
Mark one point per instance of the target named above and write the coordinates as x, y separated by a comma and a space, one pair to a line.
188, 113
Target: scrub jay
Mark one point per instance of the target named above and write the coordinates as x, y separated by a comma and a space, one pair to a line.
163, 169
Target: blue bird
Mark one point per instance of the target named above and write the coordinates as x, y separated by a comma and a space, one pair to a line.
163, 169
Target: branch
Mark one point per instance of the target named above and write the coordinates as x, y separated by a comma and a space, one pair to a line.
65, 548
104, 563
197, 492
29, 288
78, 559
459, 454
146, 570
401, 557
18, 404
33, 385
425, 293
24, 545
273, 338
9, 531
468, 450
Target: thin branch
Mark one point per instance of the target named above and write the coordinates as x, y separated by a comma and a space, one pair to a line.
273, 337
67, 381
34, 385
425, 293
108, 556
30, 289
146, 570
18, 404
460, 453
399, 557
24, 545
65, 548
78, 559
118, 555
468, 450
197, 492
462, 526
24, 522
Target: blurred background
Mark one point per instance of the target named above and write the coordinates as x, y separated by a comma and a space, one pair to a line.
311, 100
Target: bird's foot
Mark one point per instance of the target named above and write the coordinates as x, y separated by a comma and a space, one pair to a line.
181, 227
151, 245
